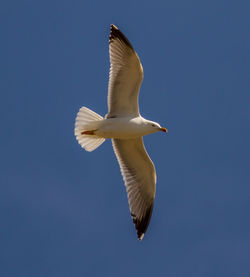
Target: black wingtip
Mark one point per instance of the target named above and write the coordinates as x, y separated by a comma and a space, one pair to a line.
115, 33
141, 225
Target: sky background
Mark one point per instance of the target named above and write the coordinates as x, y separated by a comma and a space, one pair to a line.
64, 211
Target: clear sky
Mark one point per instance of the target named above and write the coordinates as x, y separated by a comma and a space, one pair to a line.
63, 211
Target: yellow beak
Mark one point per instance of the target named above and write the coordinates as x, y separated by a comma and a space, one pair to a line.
164, 130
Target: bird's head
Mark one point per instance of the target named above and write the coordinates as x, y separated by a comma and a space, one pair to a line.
155, 127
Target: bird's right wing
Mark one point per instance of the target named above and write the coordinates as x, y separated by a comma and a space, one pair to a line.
140, 179
125, 76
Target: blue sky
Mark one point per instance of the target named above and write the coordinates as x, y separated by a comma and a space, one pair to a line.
64, 211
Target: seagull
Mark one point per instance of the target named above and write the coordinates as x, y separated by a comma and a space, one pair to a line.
125, 127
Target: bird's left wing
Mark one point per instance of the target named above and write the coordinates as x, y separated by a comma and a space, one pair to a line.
140, 179
125, 76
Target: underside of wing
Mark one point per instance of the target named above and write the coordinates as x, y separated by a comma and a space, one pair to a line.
140, 179
125, 76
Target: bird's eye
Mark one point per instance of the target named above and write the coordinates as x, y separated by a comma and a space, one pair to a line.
153, 125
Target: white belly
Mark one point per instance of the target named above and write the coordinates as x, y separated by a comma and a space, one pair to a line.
122, 128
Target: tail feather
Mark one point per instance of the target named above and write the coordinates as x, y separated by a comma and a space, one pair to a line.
89, 143
87, 120
87, 115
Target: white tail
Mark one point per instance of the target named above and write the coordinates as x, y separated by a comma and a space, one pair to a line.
87, 120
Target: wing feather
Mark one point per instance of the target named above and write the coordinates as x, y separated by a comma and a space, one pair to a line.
125, 76
140, 180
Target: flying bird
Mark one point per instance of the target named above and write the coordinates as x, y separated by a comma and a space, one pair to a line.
126, 127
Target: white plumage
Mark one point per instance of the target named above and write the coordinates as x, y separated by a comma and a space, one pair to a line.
126, 127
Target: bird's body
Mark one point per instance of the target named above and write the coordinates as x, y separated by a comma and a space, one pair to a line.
126, 127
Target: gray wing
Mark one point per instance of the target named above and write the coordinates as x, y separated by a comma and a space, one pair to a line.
125, 76
140, 180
